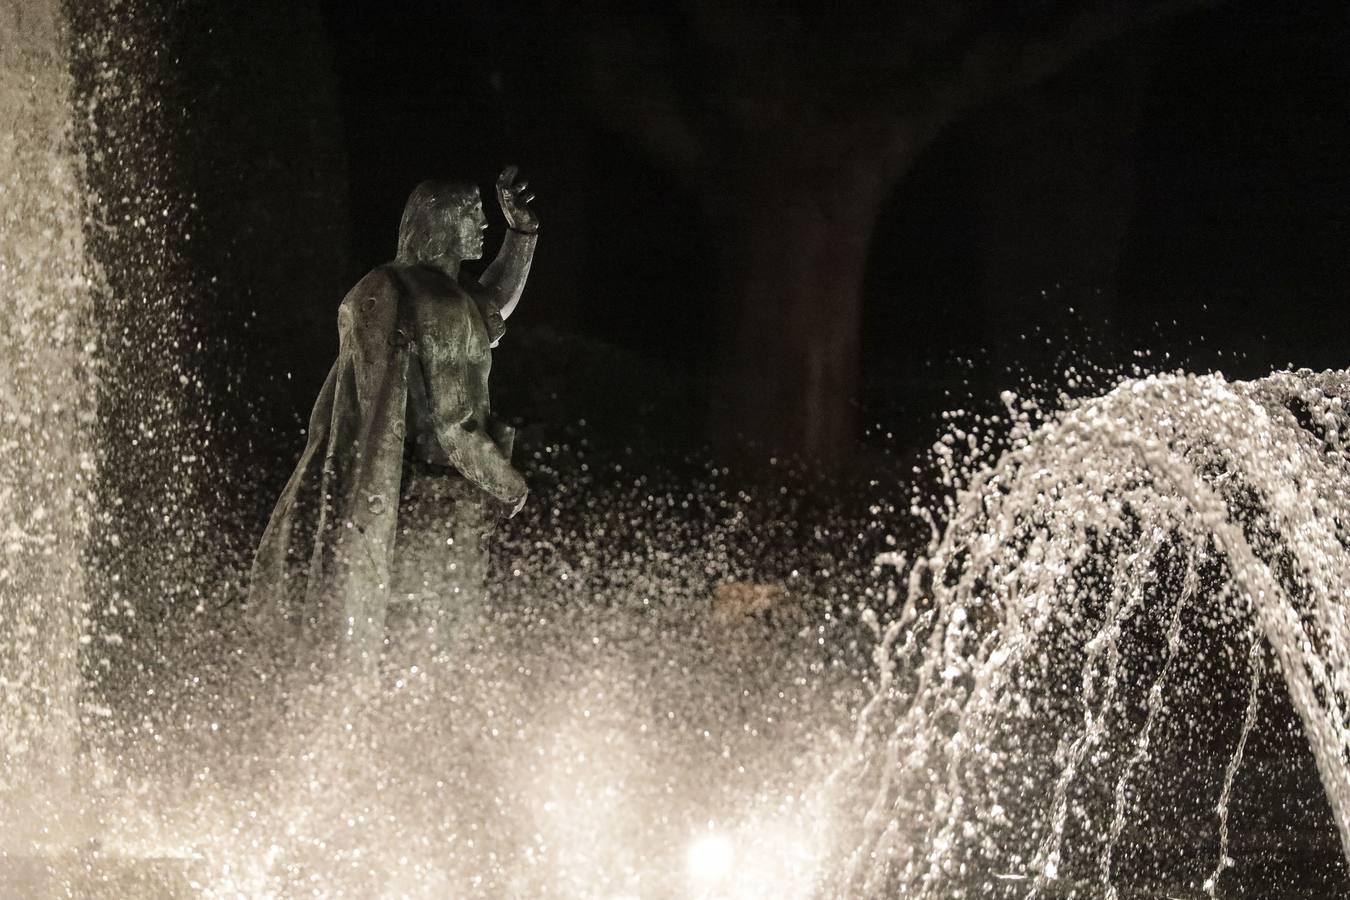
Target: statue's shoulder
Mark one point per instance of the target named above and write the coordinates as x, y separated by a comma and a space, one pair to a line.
379, 288
415, 290
382, 283
372, 305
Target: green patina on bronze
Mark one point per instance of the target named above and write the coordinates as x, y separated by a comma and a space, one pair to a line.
405, 472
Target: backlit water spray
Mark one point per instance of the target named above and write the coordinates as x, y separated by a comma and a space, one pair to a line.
1059, 621
651, 712
47, 421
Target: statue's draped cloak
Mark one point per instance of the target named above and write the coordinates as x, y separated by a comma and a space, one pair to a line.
321, 575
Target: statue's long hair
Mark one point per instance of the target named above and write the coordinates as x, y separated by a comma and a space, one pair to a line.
423, 233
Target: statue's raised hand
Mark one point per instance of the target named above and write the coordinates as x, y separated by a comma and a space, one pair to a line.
515, 200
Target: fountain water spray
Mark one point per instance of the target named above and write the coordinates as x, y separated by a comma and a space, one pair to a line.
47, 419
1006, 735
1026, 681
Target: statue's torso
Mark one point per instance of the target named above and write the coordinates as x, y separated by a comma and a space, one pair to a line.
440, 561
450, 353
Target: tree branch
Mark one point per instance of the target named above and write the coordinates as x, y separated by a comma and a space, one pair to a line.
1023, 50
630, 67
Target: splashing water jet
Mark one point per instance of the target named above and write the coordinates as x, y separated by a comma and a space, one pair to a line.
1009, 727
47, 416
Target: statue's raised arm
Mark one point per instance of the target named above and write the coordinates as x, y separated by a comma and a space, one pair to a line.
504, 280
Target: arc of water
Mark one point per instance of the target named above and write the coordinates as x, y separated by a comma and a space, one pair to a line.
1189, 586
1234, 762
1019, 521
1046, 863
1307, 675
1328, 734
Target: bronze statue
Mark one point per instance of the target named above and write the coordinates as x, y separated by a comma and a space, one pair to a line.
385, 518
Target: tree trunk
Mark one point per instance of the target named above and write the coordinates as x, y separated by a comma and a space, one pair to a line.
789, 370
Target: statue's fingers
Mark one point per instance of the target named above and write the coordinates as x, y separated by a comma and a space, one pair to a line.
525, 198
522, 186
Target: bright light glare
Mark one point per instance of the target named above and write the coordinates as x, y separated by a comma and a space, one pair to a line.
709, 858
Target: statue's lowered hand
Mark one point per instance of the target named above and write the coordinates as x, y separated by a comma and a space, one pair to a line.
503, 435
514, 201
516, 505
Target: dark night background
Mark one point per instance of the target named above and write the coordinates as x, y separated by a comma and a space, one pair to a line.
1178, 187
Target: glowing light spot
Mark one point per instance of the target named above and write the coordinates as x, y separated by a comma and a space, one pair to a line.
710, 858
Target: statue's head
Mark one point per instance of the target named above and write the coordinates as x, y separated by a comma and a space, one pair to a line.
442, 223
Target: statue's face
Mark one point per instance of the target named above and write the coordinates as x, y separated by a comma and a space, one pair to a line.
442, 225
470, 227
459, 230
